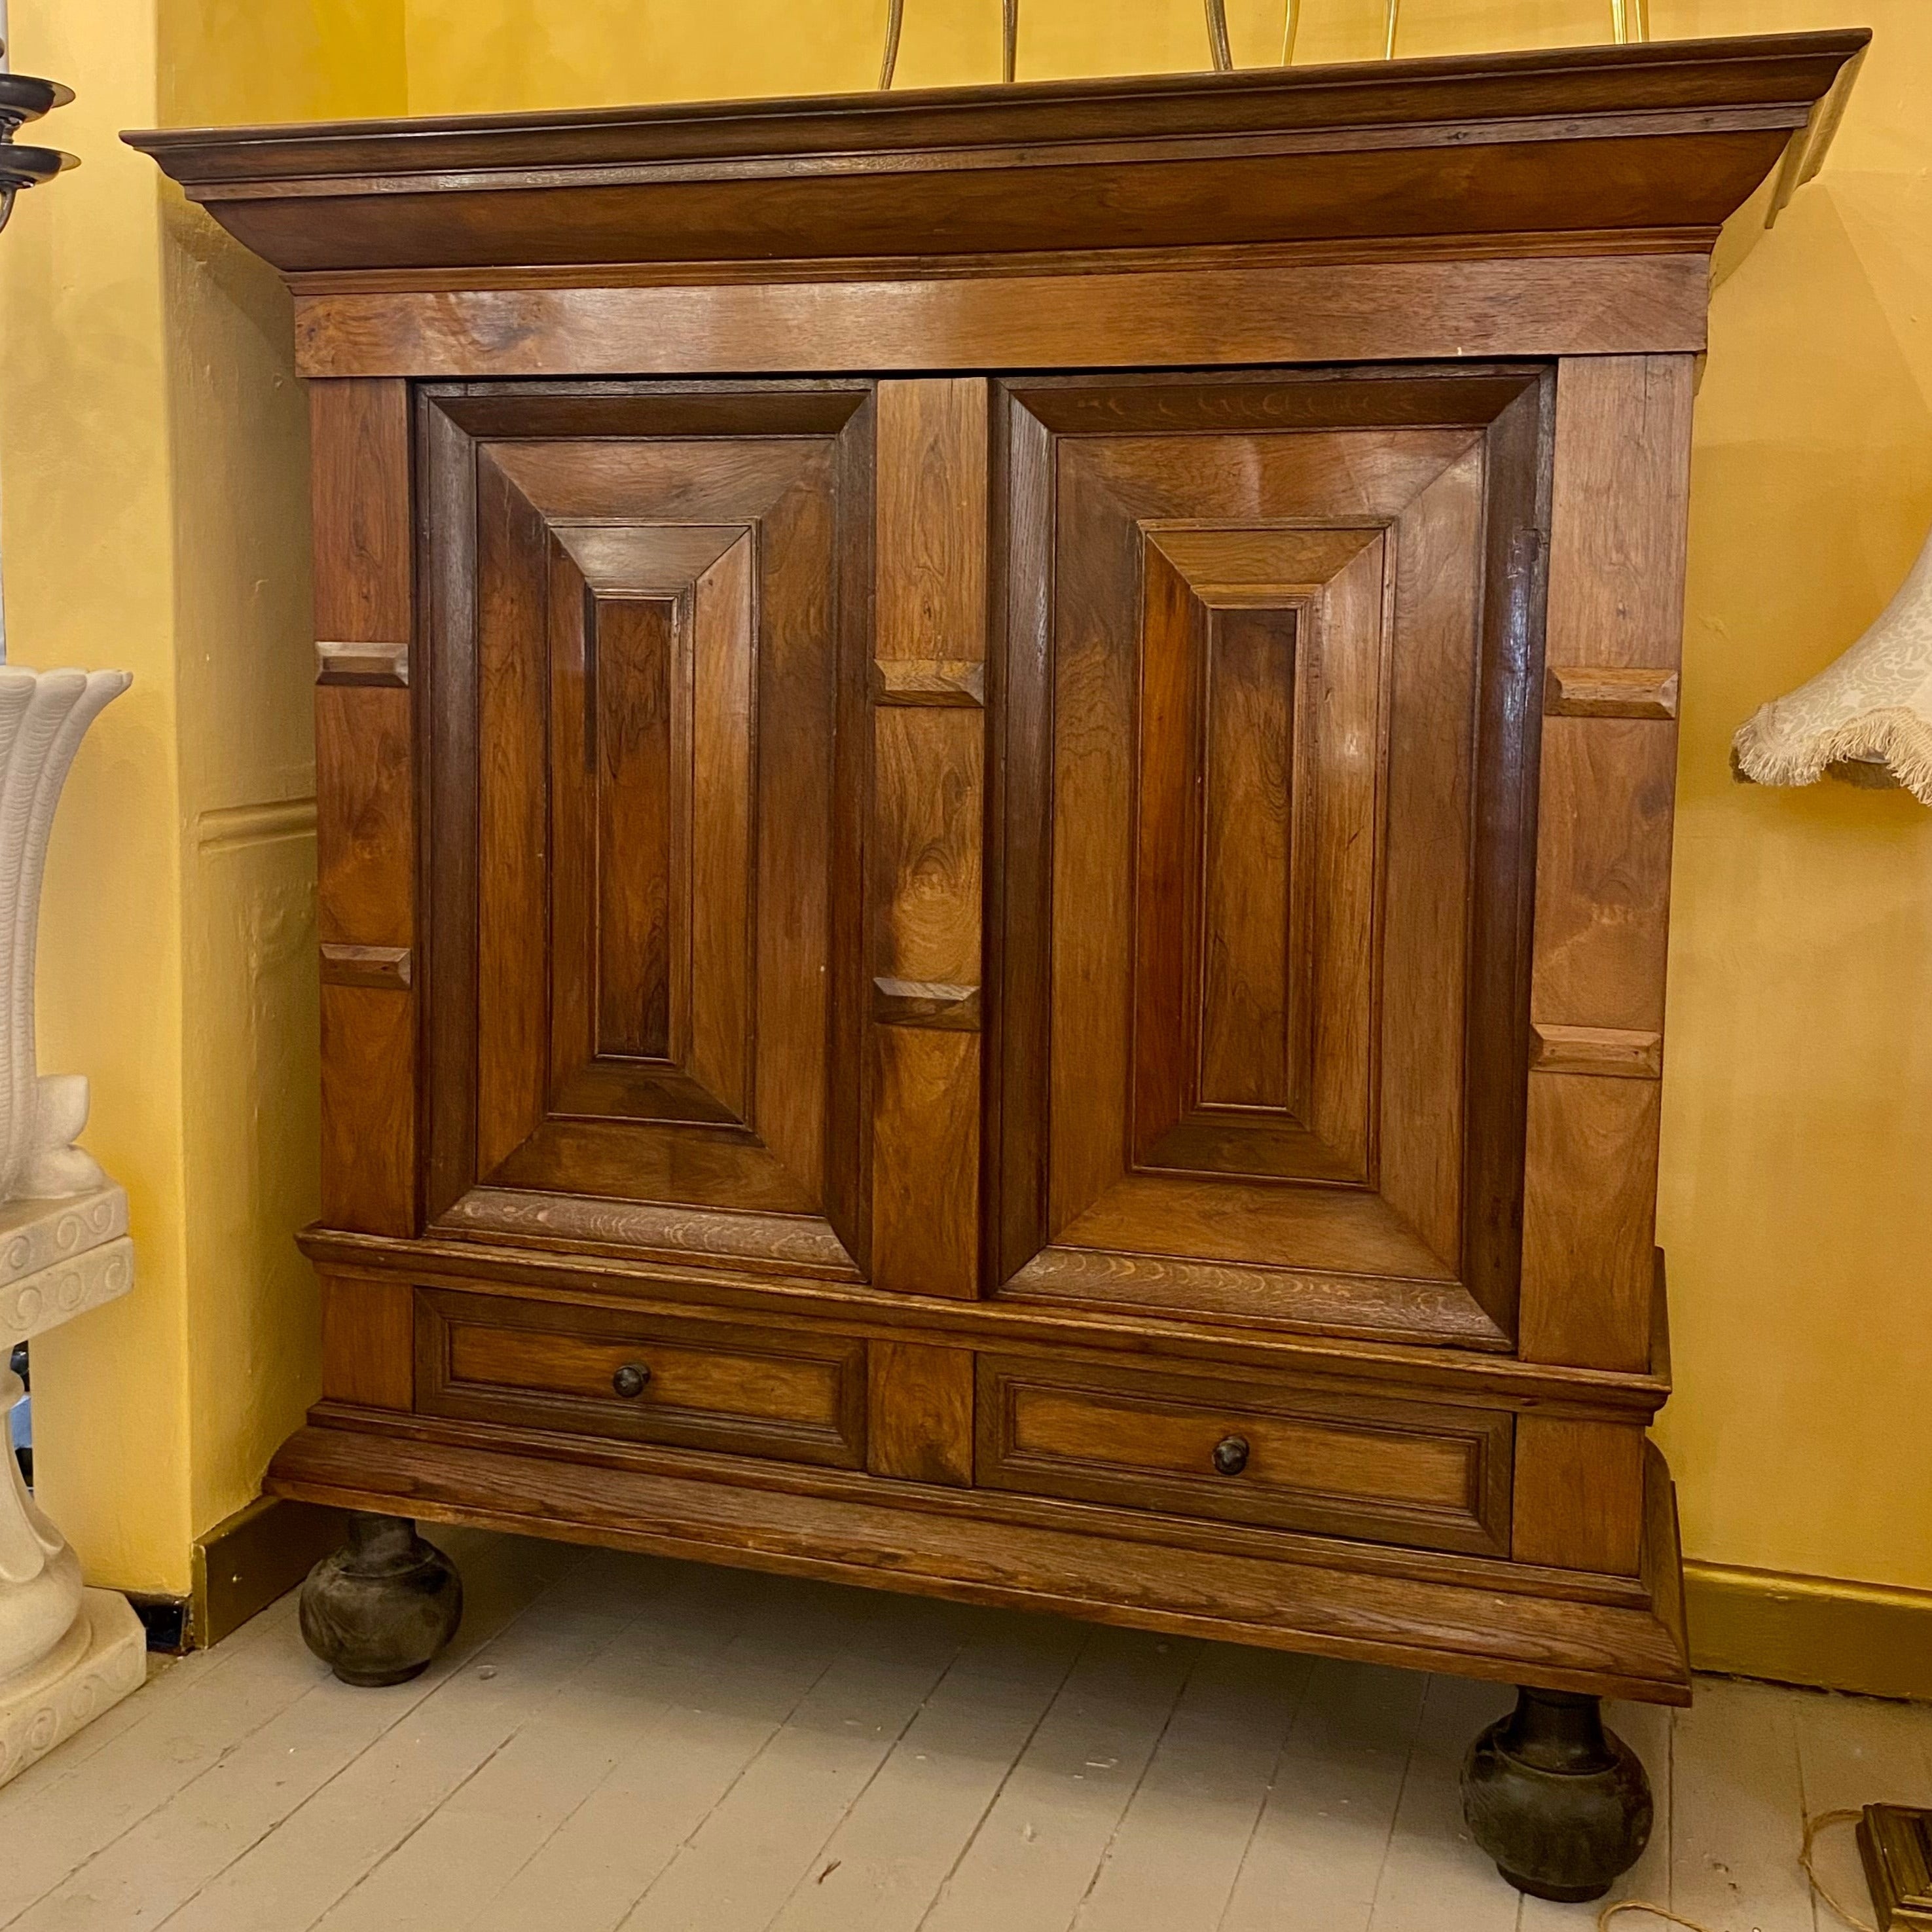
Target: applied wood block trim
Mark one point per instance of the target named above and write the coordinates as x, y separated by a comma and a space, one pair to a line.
387, 966
958, 682
1610, 691
931, 1004
361, 495
1616, 1052
362, 664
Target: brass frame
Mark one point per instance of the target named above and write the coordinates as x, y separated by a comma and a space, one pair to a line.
1895, 1844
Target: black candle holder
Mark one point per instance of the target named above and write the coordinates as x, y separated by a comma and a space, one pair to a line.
23, 97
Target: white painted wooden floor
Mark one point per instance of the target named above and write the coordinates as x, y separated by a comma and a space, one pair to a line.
618, 1742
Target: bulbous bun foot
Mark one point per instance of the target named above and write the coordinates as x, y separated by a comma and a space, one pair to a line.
383, 1606
1561, 1804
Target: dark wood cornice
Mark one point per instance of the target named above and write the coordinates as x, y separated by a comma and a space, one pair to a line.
1621, 147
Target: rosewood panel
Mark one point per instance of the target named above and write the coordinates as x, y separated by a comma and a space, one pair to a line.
1314, 312
1580, 1495
368, 1347
660, 630
1351, 1464
792, 1395
919, 1412
1265, 846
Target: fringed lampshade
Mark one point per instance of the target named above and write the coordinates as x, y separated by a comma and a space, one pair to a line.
1866, 718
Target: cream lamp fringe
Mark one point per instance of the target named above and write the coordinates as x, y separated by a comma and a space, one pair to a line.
1869, 714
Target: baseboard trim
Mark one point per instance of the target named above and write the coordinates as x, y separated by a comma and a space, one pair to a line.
1814, 1631
257, 1555
168, 1620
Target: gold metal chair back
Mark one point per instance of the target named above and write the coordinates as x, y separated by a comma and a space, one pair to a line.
1629, 21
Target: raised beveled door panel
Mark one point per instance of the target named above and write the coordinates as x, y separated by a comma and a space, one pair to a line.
660, 595
653, 660
1263, 677
1265, 846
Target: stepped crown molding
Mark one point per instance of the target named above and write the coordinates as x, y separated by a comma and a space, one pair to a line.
1633, 148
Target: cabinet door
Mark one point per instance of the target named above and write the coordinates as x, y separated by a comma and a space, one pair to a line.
1269, 746
648, 618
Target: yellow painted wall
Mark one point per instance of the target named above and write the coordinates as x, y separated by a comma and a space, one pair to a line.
153, 441
90, 571
1797, 1200
1799, 1129
244, 672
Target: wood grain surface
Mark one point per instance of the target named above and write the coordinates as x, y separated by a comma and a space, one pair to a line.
366, 827
928, 833
1327, 1608
995, 775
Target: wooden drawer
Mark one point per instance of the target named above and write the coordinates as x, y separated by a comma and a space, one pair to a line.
1435, 1475
769, 1391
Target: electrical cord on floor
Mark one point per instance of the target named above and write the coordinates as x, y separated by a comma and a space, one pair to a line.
1813, 1826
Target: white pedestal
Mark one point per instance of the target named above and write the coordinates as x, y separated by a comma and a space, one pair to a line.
104, 1656
66, 1653
59, 1259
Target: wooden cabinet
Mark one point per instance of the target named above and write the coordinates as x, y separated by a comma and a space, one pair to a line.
995, 773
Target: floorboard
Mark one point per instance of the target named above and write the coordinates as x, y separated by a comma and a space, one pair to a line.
1031, 1863
1433, 1875
1177, 1849
1738, 1810
621, 1743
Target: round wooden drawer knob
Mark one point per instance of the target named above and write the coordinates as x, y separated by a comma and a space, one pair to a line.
629, 1382
1230, 1455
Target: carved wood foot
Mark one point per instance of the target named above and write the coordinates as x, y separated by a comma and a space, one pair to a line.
1561, 1804
382, 1607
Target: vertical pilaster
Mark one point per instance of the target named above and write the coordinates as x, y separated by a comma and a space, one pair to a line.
366, 829
1608, 776
929, 737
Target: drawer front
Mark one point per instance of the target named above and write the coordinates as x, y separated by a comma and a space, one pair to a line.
1435, 1475
765, 1391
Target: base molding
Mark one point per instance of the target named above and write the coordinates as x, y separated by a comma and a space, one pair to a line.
99, 1661
1816, 1630
1485, 1618
248, 1560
